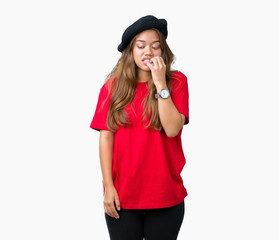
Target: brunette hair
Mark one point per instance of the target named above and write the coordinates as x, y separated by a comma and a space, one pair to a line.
122, 83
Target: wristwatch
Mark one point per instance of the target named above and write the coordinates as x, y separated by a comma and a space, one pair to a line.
164, 93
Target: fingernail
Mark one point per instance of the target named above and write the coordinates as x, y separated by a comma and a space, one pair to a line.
118, 208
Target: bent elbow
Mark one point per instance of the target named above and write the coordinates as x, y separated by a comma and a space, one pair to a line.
172, 135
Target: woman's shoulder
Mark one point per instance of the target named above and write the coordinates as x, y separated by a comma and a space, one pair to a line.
178, 78
107, 85
178, 74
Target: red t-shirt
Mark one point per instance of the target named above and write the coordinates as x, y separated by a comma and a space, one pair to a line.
146, 163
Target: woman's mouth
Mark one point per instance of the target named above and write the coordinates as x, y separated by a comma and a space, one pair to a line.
145, 61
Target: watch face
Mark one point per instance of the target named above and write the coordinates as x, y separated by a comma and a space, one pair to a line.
164, 93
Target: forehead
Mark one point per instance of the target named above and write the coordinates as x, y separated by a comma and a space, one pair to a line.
148, 35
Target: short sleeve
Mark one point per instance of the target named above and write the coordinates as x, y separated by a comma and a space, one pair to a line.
99, 120
180, 94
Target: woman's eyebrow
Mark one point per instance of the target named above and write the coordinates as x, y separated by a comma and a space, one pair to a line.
144, 41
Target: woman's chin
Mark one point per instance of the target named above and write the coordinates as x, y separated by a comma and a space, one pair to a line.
145, 68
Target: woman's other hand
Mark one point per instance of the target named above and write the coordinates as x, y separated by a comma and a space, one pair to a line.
111, 197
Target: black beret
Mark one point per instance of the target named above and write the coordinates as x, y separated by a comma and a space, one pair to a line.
144, 23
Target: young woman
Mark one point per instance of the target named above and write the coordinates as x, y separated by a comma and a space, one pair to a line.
141, 110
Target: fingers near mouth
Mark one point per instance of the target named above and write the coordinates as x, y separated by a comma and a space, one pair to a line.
150, 62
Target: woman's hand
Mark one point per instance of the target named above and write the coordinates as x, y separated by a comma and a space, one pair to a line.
158, 70
111, 197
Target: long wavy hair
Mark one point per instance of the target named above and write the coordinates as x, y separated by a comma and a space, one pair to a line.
122, 84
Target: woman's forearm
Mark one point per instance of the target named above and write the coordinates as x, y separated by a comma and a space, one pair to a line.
170, 117
106, 153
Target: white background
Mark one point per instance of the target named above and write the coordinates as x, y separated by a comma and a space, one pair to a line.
54, 57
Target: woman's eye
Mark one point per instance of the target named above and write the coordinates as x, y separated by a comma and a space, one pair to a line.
141, 47
156, 47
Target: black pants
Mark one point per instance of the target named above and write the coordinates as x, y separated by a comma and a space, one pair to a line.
152, 224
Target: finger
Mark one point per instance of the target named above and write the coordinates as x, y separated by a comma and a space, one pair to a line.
155, 60
113, 212
150, 65
108, 212
107, 206
159, 62
117, 203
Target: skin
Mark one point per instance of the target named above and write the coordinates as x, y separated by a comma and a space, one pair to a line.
106, 152
147, 46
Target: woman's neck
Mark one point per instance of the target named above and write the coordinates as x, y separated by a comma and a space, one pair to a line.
143, 76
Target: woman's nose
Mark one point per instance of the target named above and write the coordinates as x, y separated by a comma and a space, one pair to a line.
148, 50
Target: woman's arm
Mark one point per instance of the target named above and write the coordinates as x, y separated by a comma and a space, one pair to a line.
111, 198
171, 119
106, 151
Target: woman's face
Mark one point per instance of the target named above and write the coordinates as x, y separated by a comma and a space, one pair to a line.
146, 46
